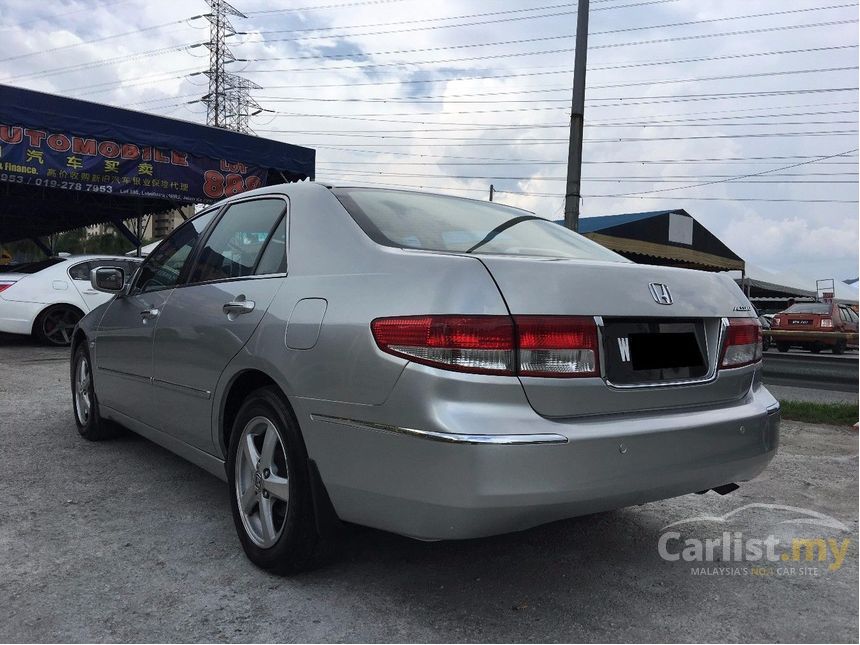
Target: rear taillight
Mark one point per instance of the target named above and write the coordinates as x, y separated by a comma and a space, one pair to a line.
561, 346
827, 323
555, 346
479, 344
743, 343
5, 285
777, 321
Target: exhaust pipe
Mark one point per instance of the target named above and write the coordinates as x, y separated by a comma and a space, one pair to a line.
725, 489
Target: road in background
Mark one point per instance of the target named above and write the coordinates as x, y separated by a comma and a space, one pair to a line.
813, 371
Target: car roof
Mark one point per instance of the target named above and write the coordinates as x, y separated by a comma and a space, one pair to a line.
97, 256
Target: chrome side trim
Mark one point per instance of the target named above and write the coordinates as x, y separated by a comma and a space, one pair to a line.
185, 389
131, 377
449, 437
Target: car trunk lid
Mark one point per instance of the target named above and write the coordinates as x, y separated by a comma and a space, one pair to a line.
661, 332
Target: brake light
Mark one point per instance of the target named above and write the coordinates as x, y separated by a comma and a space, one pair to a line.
827, 323
743, 343
5, 285
777, 321
478, 344
559, 346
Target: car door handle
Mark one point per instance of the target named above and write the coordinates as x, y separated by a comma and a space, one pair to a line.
91, 292
238, 307
149, 314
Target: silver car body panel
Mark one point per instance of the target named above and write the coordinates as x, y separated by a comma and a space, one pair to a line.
421, 451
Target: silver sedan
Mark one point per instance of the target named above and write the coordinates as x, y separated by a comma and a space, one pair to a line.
437, 367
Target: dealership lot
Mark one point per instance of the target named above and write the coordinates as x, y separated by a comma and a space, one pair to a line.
125, 541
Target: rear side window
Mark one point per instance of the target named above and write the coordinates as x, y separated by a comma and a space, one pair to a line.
80, 271
274, 258
238, 241
808, 308
440, 223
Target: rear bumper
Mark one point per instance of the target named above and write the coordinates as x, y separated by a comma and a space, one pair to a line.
431, 488
17, 317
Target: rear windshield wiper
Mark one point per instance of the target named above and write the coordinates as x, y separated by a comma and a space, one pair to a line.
501, 228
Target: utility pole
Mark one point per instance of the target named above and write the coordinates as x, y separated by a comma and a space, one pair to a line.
577, 118
492, 191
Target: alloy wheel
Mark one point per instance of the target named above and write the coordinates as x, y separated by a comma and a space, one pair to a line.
262, 482
83, 401
59, 324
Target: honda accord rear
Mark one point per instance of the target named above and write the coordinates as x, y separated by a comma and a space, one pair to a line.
437, 367
543, 376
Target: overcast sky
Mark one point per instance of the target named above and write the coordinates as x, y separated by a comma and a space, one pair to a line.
387, 93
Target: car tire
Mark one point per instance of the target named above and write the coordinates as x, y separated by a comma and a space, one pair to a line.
815, 349
270, 486
85, 407
783, 347
55, 325
839, 347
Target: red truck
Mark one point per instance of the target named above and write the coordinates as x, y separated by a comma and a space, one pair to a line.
815, 326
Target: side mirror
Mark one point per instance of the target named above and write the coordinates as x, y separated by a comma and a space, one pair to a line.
108, 279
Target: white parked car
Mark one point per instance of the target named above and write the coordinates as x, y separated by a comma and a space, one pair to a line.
48, 297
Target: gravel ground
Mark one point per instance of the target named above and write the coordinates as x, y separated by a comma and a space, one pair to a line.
122, 541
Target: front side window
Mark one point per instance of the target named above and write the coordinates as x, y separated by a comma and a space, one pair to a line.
412, 220
238, 241
163, 268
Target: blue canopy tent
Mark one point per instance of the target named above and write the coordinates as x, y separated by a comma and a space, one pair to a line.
66, 163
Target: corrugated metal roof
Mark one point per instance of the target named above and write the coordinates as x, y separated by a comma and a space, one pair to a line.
601, 222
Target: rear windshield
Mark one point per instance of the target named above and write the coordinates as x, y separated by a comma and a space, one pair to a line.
808, 308
35, 267
438, 223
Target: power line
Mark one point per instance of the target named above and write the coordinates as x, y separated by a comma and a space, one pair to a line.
795, 178
507, 159
565, 70
558, 14
745, 32
53, 17
478, 135
541, 162
104, 61
520, 41
537, 194
460, 17
736, 178
615, 101
102, 39
469, 127
442, 98
483, 142
341, 5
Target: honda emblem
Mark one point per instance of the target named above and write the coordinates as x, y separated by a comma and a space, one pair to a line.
660, 293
